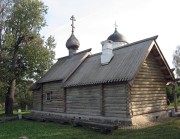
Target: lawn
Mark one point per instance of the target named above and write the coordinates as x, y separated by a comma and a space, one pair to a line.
43, 130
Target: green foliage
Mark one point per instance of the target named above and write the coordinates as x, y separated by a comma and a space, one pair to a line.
23, 95
24, 54
169, 93
39, 130
176, 60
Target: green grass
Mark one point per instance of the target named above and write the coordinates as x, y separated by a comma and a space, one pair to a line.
42, 130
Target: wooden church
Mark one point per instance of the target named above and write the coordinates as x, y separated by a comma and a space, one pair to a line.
124, 84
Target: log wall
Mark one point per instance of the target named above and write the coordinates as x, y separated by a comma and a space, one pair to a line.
148, 92
83, 100
37, 100
100, 100
115, 101
56, 104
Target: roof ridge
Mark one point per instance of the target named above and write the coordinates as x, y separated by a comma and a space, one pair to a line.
127, 45
87, 50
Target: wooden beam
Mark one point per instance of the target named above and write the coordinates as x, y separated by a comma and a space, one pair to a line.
64, 99
42, 108
167, 76
158, 57
102, 100
163, 67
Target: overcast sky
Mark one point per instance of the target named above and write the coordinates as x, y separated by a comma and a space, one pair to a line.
136, 20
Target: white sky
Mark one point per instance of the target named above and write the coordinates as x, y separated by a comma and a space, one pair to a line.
136, 19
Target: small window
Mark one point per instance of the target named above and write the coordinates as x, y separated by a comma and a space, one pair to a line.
48, 96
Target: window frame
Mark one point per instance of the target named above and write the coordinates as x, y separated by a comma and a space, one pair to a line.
49, 96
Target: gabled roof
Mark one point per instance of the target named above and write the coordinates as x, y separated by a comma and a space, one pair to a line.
124, 66
64, 67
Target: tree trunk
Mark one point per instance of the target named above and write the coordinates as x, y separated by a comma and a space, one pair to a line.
12, 84
10, 98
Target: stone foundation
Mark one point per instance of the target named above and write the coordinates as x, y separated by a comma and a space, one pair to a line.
146, 118
74, 117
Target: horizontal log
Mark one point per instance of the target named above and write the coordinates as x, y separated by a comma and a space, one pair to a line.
114, 86
83, 111
149, 86
146, 99
116, 108
53, 89
52, 109
149, 76
84, 89
114, 101
82, 101
82, 98
113, 89
144, 82
112, 105
152, 73
85, 92
149, 79
153, 70
148, 105
146, 92
148, 89
115, 95
150, 66
148, 111
147, 102
83, 108
108, 114
149, 95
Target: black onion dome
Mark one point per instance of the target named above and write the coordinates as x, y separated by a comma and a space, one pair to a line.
72, 42
117, 37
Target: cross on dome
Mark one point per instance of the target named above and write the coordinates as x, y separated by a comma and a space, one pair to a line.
115, 25
73, 19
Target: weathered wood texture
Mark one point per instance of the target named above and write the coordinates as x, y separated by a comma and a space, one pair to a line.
56, 104
37, 100
115, 100
83, 100
148, 92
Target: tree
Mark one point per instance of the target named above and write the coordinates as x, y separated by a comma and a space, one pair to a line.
23, 55
176, 60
